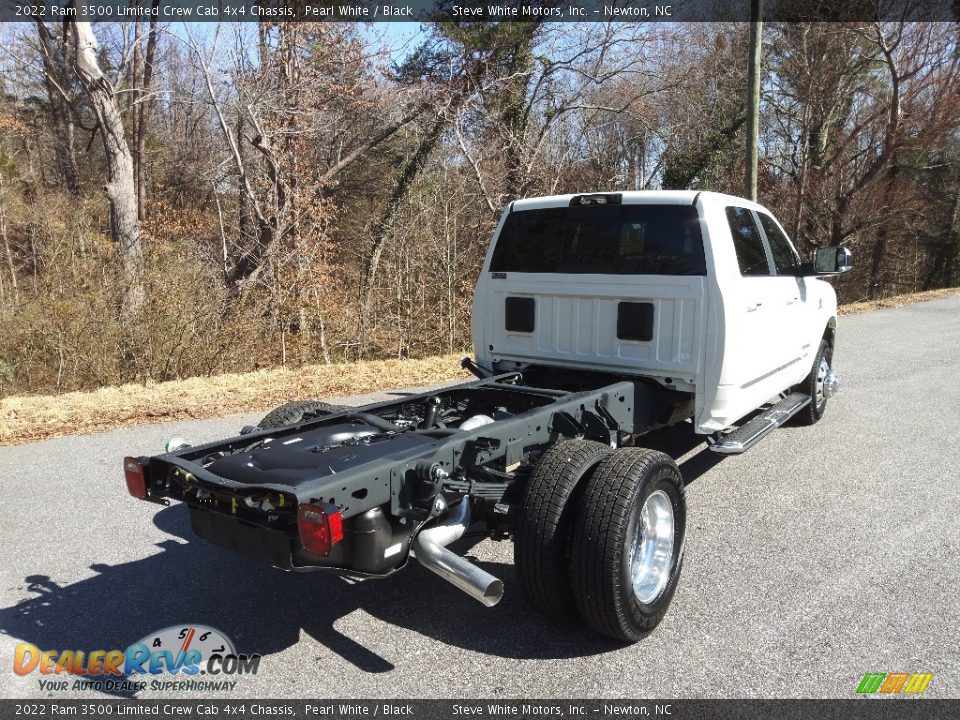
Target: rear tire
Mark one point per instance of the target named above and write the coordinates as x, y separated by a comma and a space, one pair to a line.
295, 412
541, 549
628, 543
813, 386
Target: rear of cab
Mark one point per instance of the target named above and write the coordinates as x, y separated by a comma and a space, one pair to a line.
697, 291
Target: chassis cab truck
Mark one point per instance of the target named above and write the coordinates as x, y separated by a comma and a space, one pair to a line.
597, 318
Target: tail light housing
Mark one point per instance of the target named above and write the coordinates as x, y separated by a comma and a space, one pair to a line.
320, 527
133, 473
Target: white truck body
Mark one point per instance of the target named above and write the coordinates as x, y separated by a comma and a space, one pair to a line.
734, 336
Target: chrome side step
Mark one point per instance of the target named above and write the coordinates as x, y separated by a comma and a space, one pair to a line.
750, 433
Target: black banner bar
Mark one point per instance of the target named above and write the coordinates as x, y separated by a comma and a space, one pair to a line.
478, 11
888, 708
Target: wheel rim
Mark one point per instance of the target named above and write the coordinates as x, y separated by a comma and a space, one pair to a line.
822, 369
651, 557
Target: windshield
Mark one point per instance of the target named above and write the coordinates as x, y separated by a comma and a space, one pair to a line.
604, 239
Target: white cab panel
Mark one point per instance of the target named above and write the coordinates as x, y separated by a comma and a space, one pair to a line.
576, 319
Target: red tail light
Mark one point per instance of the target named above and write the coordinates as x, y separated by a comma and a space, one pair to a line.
135, 477
320, 527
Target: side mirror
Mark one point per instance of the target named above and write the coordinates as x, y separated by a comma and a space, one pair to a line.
829, 261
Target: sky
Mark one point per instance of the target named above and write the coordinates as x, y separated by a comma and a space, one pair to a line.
401, 37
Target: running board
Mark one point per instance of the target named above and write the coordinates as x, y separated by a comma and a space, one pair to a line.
750, 433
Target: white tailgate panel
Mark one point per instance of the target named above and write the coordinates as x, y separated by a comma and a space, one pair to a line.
576, 322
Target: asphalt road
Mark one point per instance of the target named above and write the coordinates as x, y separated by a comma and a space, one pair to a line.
819, 555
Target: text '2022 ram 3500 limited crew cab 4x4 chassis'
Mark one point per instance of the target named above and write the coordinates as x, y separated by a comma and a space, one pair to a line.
597, 318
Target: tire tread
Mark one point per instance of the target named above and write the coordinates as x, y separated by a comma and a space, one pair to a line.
810, 414
541, 535
598, 545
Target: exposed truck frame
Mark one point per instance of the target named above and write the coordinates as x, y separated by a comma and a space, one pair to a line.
385, 502
543, 447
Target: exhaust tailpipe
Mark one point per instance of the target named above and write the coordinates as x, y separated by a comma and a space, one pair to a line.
429, 548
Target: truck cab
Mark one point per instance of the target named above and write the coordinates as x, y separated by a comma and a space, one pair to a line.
699, 292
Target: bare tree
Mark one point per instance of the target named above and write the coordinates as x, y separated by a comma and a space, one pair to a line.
121, 184
143, 99
284, 109
55, 58
536, 80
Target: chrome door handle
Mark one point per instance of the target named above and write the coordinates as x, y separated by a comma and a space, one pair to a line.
754, 306
791, 301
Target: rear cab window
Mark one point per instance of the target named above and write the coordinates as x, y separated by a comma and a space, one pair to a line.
617, 239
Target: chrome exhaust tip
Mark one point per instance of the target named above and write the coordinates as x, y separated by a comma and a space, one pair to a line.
430, 551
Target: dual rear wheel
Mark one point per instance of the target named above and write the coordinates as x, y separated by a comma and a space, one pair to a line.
600, 536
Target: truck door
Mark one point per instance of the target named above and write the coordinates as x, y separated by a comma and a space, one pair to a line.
759, 331
790, 298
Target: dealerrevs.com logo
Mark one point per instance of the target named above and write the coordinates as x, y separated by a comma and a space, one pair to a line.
182, 651
894, 683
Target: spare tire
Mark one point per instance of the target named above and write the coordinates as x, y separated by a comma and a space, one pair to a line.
297, 411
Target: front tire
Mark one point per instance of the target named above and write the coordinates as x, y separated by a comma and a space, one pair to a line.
812, 385
541, 548
627, 548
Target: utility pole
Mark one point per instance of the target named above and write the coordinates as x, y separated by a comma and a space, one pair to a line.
753, 99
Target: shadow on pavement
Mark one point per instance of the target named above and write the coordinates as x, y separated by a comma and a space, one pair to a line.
264, 610
677, 441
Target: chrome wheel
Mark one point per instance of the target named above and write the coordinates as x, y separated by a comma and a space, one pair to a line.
651, 556
823, 370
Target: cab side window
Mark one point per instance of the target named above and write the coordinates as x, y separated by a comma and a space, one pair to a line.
784, 258
747, 242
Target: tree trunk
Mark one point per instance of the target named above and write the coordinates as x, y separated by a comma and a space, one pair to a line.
143, 114
121, 186
753, 100
10, 264
61, 115
133, 107
801, 189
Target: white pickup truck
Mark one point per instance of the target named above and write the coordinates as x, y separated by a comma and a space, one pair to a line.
597, 318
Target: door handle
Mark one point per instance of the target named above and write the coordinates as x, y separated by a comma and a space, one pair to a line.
754, 306
791, 301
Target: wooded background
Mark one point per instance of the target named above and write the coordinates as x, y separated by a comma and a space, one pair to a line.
187, 200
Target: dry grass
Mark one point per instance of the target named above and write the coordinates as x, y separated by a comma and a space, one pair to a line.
896, 301
26, 418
